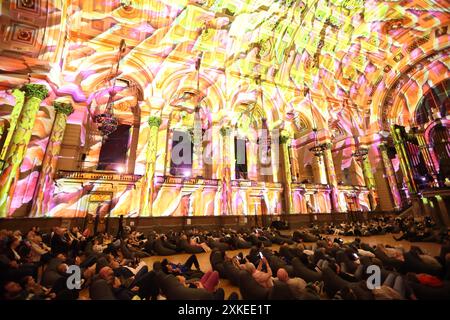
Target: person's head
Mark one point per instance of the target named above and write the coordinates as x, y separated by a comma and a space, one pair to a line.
249, 267
18, 234
114, 264
165, 266
14, 242
30, 235
106, 273
59, 231
11, 289
37, 238
282, 275
182, 280
62, 268
61, 256
28, 282
75, 229
89, 272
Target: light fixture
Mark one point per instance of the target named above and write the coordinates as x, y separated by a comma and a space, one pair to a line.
361, 151
106, 122
384, 133
126, 4
317, 149
120, 169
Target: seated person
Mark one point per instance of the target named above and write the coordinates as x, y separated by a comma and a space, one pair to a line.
263, 278
297, 285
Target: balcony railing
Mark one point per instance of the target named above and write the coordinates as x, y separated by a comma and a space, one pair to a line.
352, 188
105, 176
310, 186
186, 181
254, 184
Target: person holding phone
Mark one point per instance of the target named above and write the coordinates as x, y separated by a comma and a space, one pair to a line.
263, 278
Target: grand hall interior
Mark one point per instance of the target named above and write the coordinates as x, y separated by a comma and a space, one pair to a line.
224, 150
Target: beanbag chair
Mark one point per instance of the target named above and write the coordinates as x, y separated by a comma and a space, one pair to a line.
100, 290
250, 289
301, 271
161, 250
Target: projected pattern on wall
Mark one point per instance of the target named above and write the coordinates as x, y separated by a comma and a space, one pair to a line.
304, 64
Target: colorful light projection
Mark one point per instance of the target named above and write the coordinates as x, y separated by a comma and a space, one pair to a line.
334, 49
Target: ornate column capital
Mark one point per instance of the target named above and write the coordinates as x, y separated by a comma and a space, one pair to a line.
383, 146
284, 136
35, 90
225, 131
154, 121
327, 145
63, 107
361, 153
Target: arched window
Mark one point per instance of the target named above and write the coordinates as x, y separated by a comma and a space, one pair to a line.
250, 143
436, 100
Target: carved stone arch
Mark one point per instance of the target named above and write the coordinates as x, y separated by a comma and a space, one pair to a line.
308, 109
142, 77
174, 86
406, 87
336, 131
421, 115
377, 98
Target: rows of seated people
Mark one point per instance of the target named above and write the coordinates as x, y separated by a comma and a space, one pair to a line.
411, 229
307, 265
332, 269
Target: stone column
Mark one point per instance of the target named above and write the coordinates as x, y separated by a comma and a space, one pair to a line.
2, 134
331, 176
44, 187
225, 178
34, 94
284, 140
148, 181
19, 95
425, 151
294, 162
197, 157
405, 164
132, 151
444, 213
362, 155
390, 175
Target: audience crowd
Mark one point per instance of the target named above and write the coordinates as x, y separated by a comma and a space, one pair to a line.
309, 263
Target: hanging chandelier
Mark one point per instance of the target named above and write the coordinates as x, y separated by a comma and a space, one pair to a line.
361, 151
318, 149
106, 122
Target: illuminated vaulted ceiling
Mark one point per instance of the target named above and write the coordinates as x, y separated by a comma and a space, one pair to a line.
346, 53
